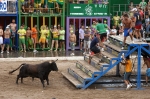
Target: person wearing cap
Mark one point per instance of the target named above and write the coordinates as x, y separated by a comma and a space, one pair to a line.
55, 35
7, 34
72, 42
22, 34
138, 24
87, 41
1, 37
147, 63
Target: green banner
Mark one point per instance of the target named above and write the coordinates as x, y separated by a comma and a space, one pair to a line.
88, 10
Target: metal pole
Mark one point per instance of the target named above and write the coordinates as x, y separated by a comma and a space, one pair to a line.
118, 70
139, 68
67, 38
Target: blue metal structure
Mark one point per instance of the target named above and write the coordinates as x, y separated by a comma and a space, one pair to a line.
111, 62
132, 48
16, 15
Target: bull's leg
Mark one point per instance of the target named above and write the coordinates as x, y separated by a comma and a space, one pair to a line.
18, 76
32, 78
21, 79
47, 80
42, 81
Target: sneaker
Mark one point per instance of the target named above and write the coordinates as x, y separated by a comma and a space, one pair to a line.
146, 84
102, 49
84, 53
122, 48
133, 42
128, 87
2, 52
55, 50
7, 52
140, 40
73, 54
25, 51
35, 51
108, 41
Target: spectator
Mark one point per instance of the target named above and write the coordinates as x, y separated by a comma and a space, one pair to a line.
34, 37
72, 42
113, 31
86, 40
55, 34
22, 34
116, 20
147, 24
42, 39
142, 4
81, 36
147, 63
62, 39
28, 38
1, 37
7, 34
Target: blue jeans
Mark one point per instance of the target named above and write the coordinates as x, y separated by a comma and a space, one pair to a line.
148, 28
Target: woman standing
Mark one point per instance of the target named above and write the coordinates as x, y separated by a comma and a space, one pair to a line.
55, 34
62, 39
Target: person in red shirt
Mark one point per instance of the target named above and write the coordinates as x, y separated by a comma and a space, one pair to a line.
141, 12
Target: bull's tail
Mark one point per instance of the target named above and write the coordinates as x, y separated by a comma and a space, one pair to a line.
16, 68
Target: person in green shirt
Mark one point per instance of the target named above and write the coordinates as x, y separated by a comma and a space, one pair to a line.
62, 39
101, 29
143, 4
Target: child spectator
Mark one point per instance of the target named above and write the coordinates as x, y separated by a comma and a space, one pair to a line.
72, 41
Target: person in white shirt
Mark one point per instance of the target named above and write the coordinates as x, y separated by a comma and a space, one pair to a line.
113, 31
81, 36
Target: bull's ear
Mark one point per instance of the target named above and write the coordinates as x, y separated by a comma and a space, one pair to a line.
56, 60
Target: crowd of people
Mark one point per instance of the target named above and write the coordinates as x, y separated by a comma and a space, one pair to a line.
32, 37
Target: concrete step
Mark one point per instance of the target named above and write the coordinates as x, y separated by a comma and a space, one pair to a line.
76, 76
95, 61
113, 49
106, 57
73, 80
87, 68
81, 73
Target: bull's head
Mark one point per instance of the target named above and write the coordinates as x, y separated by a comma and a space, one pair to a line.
54, 65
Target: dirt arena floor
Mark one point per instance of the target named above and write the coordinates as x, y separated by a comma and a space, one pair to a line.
59, 87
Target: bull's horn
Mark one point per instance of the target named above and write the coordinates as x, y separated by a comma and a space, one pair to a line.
56, 60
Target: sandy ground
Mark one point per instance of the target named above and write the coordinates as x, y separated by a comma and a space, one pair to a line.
59, 87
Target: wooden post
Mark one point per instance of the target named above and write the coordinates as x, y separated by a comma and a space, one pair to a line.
31, 22
55, 20
43, 20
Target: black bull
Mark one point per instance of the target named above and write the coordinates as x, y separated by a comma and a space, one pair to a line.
40, 71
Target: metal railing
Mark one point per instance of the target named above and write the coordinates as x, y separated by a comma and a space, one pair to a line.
121, 8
